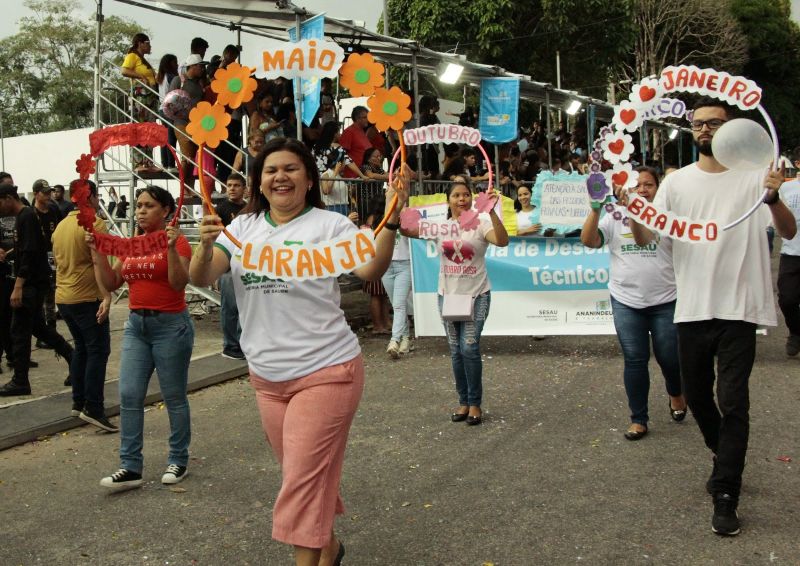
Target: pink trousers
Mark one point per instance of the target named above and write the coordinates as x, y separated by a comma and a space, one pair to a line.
307, 421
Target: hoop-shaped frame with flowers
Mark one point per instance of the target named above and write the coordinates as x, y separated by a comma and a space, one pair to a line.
146, 134
645, 95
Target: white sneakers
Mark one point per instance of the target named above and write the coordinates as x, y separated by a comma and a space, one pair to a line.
396, 349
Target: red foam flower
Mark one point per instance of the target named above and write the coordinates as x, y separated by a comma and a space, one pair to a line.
85, 166
79, 192
86, 218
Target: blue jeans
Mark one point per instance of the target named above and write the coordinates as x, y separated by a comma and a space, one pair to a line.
634, 328
162, 342
397, 282
464, 339
89, 360
229, 315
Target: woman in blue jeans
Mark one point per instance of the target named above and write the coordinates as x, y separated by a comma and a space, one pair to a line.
462, 274
643, 293
159, 334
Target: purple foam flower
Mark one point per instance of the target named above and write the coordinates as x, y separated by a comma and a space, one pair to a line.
597, 187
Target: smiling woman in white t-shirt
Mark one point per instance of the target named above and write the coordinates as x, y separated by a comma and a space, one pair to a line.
643, 293
462, 271
305, 362
525, 224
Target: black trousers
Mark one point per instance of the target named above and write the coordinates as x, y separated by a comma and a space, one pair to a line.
6, 286
725, 424
27, 321
789, 291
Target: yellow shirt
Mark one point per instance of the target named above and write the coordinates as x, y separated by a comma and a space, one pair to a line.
134, 63
75, 282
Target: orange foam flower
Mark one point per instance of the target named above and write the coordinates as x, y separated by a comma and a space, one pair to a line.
388, 109
361, 74
234, 85
208, 124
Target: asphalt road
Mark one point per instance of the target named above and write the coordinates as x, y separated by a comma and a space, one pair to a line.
547, 479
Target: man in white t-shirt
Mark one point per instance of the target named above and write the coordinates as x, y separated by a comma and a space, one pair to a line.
789, 267
724, 293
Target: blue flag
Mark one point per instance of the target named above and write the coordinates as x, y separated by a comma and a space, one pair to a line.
499, 112
313, 28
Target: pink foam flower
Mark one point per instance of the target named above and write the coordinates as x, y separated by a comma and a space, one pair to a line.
485, 201
409, 218
468, 220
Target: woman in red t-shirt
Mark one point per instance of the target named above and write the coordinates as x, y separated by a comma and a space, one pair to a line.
159, 335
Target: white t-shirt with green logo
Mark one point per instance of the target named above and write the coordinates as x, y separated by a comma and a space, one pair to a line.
290, 329
641, 276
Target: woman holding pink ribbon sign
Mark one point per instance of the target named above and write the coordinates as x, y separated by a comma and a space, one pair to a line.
464, 290
305, 362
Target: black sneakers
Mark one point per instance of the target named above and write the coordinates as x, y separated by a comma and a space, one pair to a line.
725, 521
233, 354
12, 389
122, 480
77, 408
174, 474
100, 421
792, 345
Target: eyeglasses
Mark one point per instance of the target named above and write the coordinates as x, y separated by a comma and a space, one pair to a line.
712, 124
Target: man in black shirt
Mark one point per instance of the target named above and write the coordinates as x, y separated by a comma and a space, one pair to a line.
229, 313
65, 206
32, 272
49, 217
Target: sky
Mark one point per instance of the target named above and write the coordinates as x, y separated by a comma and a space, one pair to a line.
170, 34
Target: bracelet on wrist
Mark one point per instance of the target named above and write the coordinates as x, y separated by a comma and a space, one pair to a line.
393, 227
769, 201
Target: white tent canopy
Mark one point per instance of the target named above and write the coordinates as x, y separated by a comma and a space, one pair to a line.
271, 19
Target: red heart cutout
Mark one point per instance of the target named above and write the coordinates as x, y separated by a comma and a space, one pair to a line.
617, 146
646, 93
627, 116
619, 178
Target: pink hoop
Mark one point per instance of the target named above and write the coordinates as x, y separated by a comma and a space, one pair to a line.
479, 146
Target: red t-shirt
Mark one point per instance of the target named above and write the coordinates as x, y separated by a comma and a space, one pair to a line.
355, 141
148, 281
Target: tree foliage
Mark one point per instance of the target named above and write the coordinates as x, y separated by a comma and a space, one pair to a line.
523, 37
46, 69
773, 60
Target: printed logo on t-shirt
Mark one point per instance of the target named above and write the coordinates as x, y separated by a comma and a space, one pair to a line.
458, 251
648, 250
141, 267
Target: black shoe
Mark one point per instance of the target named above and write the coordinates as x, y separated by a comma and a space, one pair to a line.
472, 421
77, 409
233, 354
458, 417
339, 555
792, 345
635, 434
42, 345
725, 521
12, 389
174, 474
677, 414
100, 421
122, 480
